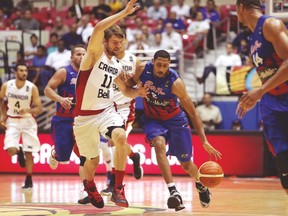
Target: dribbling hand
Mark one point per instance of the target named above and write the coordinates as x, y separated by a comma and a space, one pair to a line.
211, 150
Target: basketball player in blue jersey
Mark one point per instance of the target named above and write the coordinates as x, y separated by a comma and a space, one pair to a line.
165, 122
64, 80
269, 51
23, 102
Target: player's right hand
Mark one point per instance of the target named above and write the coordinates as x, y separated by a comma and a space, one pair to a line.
211, 150
66, 102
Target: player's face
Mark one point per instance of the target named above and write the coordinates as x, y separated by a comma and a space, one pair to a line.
114, 45
77, 56
21, 73
161, 67
122, 50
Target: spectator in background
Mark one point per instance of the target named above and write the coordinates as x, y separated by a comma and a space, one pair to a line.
72, 38
197, 8
213, 16
198, 29
209, 113
148, 37
75, 10
132, 31
24, 5
27, 22
157, 44
7, 7
157, 11
243, 35
139, 44
243, 51
237, 125
38, 64
59, 58
85, 28
59, 27
171, 39
115, 5
182, 10
230, 59
159, 27
51, 46
177, 23
4, 21
102, 10
16, 17
31, 50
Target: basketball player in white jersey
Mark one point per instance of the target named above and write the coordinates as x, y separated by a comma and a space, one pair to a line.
23, 102
95, 106
126, 107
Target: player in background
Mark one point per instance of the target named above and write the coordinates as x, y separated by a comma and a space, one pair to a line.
23, 103
165, 122
269, 51
96, 113
64, 80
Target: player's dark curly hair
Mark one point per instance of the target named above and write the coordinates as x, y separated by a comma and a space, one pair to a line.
250, 3
162, 54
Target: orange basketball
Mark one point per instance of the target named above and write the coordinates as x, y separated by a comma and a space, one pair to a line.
210, 174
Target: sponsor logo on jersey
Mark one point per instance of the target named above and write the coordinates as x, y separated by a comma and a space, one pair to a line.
107, 68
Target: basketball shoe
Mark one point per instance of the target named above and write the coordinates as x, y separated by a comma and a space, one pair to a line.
204, 195
137, 168
175, 201
108, 191
53, 163
21, 159
118, 196
28, 185
94, 197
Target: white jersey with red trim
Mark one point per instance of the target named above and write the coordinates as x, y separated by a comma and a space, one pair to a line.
18, 98
94, 89
128, 63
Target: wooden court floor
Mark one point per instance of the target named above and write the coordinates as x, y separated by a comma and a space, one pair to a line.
58, 195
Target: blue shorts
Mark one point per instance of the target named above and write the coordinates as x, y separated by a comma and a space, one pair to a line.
63, 137
176, 132
275, 128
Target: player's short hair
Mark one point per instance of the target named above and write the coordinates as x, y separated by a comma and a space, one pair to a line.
77, 46
113, 30
20, 64
250, 3
162, 54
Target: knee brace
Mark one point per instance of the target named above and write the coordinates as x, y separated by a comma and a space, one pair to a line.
82, 160
282, 165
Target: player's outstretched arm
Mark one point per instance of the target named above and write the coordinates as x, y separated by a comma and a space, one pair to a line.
179, 89
57, 79
94, 48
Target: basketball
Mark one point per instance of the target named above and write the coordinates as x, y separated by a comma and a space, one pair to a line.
210, 174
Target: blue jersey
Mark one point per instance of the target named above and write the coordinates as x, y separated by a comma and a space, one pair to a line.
67, 89
265, 57
160, 103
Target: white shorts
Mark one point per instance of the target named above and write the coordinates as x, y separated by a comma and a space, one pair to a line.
127, 111
87, 129
25, 127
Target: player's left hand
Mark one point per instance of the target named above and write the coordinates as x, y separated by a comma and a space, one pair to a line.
248, 101
143, 92
131, 7
211, 150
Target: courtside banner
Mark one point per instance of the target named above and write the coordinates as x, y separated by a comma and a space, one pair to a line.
242, 155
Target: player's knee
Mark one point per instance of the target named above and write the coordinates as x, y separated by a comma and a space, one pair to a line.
119, 137
282, 165
12, 151
82, 160
186, 166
